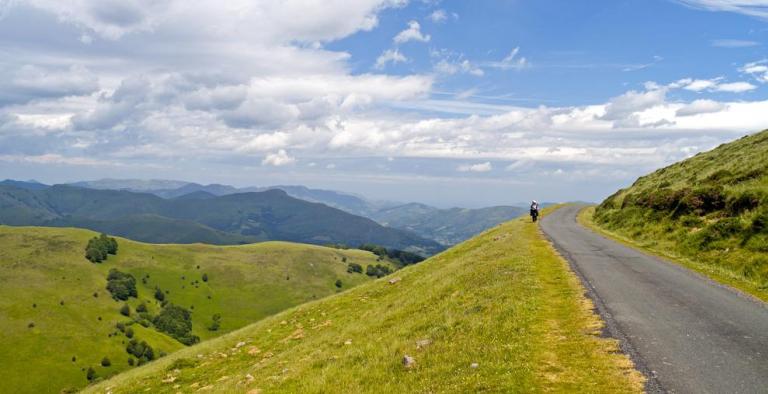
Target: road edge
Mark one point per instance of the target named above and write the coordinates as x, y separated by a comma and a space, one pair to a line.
611, 329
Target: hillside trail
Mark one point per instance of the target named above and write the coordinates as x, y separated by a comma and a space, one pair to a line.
685, 332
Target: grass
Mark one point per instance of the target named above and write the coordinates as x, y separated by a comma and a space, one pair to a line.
709, 213
501, 312
42, 267
666, 251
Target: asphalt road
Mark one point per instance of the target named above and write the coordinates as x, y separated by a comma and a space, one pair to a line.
689, 334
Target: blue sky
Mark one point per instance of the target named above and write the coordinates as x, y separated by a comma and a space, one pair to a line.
466, 103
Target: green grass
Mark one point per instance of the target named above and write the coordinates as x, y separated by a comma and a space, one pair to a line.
709, 213
45, 266
504, 300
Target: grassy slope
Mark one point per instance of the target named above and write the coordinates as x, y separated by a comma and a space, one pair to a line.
44, 266
503, 300
722, 238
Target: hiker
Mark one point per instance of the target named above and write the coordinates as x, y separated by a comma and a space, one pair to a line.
534, 210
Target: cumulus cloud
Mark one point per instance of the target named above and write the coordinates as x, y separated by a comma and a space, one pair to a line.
438, 16
412, 33
700, 107
390, 56
479, 167
30, 82
758, 70
278, 159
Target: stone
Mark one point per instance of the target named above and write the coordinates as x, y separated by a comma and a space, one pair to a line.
409, 362
395, 280
423, 343
474, 365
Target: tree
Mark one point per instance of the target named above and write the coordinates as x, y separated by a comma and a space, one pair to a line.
205, 277
105, 362
338, 283
177, 322
354, 267
122, 285
125, 310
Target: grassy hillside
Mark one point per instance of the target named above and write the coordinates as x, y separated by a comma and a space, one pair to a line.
229, 219
711, 210
447, 226
499, 313
54, 306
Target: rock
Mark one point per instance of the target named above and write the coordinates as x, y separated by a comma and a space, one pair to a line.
395, 280
423, 343
348, 342
253, 350
409, 362
240, 344
249, 377
254, 391
474, 365
169, 379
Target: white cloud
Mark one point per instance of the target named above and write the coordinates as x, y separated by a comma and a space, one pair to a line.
756, 8
758, 70
278, 159
715, 85
479, 167
449, 67
389, 56
511, 61
412, 33
441, 16
735, 87
731, 43
700, 107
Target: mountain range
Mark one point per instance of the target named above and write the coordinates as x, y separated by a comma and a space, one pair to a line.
446, 226
229, 219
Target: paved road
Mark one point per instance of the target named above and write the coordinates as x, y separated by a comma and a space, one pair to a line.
693, 335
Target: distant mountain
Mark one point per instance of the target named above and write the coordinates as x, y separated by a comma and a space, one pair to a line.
447, 226
229, 219
29, 185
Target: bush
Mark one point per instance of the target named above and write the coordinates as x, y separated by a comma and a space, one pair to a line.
125, 310
120, 326
141, 350
141, 308
105, 362
378, 270
205, 277
122, 285
159, 295
99, 248
130, 361
354, 267
215, 322
176, 322
129, 332
746, 201
338, 283
90, 374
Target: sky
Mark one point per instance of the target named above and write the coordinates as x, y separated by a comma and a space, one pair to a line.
451, 103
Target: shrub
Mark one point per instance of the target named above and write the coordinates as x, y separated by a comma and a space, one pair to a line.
125, 310
378, 270
205, 277
129, 332
122, 285
90, 374
759, 223
141, 308
215, 322
746, 201
338, 283
31, 325
99, 248
120, 326
177, 322
354, 267
105, 362
141, 350
130, 361
159, 295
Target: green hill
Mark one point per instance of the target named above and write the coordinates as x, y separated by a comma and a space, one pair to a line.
229, 219
711, 210
57, 319
499, 313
